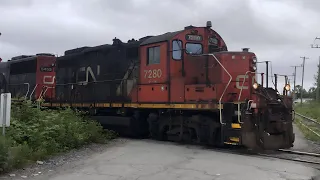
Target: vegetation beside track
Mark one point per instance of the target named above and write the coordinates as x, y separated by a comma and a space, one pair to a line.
311, 110
37, 134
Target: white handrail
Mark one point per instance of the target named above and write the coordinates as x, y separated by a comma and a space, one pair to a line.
244, 79
44, 92
220, 111
27, 91
43, 89
33, 91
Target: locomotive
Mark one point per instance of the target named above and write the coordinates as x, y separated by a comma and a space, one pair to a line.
178, 86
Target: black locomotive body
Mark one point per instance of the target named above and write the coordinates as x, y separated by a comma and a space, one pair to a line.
97, 74
23, 74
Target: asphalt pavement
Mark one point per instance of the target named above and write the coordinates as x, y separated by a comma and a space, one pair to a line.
153, 160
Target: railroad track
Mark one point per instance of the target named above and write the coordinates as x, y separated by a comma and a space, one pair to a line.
283, 154
287, 154
297, 156
309, 121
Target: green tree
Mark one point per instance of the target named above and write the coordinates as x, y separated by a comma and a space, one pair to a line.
317, 83
305, 93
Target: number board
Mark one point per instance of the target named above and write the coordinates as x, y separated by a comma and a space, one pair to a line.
213, 40
46, 69
191, 37
152, 73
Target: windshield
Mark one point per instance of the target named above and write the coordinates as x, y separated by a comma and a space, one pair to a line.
193, 48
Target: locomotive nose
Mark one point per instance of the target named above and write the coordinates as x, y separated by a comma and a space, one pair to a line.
270, 116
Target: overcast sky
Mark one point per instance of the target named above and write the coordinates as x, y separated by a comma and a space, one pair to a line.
279, 31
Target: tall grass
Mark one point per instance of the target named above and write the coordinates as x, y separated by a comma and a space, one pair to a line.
36, 134
310, 109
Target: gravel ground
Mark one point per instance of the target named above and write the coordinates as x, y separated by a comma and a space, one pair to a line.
147, 159
51, 165
75, 158
302, 144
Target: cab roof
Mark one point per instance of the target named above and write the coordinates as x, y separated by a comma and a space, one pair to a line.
160, 38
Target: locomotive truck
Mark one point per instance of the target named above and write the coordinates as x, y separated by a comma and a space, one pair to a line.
178, 86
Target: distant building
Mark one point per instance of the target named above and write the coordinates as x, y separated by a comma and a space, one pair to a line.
303, 100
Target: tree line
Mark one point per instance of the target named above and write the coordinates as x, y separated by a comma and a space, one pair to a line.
313, 92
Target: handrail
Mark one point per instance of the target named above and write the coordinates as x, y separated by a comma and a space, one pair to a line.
33, 91
27, 91
245, 77
44, 91
225, 89
40, 95
28, 84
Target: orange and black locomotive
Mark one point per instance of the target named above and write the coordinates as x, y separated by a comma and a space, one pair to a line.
178, 86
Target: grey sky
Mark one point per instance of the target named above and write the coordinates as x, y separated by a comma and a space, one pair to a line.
280, 31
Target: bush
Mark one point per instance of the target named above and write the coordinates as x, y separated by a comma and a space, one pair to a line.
36, 134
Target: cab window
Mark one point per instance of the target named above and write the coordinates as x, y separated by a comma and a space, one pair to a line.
154, 55
193, 48
176, 49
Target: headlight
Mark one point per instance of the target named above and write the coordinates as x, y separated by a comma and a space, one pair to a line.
254, 59
255, 86
287, 87
254, 66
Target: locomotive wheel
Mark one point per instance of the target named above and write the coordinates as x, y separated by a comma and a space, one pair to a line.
138, 125
153, 121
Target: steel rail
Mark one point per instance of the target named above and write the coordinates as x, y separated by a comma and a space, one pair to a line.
291, 159
310, 120
299, 152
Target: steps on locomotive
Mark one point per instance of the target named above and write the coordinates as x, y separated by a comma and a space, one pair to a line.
231, 131
231, 134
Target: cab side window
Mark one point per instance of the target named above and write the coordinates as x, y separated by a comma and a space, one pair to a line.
153, 55
176, 50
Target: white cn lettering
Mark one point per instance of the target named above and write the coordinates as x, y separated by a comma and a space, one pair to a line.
88, 71
239, 81
48, 79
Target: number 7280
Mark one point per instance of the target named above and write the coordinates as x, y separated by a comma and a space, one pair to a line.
154, 73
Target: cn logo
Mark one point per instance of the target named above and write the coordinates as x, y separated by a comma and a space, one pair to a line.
84, 73
49, 80
239, 81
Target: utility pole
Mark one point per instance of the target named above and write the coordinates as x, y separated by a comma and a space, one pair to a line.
314, 45
318, 83
303, 63
294, 80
